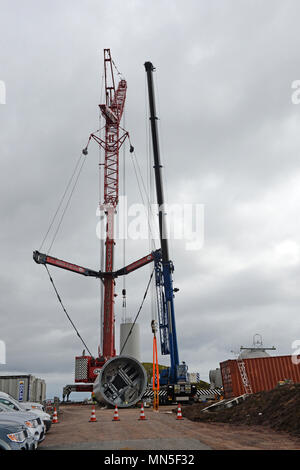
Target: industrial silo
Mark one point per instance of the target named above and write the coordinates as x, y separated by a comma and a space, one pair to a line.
215, 378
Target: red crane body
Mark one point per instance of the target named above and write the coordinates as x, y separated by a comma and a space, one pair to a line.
112, 111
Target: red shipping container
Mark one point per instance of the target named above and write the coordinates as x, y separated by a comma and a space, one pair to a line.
263, 373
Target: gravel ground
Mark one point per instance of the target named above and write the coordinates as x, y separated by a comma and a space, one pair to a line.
160, 431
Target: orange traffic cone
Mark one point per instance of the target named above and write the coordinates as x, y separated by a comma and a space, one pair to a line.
116, 415
142, 415
179, 414
93, 418
54, 418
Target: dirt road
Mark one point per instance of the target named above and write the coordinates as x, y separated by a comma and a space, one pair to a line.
160, 431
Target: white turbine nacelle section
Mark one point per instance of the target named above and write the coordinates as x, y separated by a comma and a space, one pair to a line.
122, 381
130, 340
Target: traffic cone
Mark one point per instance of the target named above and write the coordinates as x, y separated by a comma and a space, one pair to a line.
142, 415
93, 418
54, 418
116, 415
179, 414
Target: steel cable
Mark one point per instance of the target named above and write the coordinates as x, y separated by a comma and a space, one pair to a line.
64, 309
67, 205
139, 311
61, 201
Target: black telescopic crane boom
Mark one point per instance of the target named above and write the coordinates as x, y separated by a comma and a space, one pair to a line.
157, 165
164, 280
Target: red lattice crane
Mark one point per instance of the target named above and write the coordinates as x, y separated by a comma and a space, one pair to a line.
126, 378
112, 111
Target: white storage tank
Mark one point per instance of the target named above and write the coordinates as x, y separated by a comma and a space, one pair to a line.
215, 378
130, 340
255, 351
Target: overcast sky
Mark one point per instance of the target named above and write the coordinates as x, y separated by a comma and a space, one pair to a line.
230, 140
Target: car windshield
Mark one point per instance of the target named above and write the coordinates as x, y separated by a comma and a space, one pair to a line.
5, 407
9, 403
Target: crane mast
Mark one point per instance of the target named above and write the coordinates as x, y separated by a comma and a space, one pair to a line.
115, 100
112, 112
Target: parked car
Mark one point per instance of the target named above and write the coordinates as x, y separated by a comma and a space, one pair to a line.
33, 423
33, 405
14, 436
14, 404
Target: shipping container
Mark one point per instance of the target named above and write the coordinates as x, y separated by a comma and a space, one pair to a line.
23, 387
263, 373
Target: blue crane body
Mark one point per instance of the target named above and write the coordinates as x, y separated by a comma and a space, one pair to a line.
164, 266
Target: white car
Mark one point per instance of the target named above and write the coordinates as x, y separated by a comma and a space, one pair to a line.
15, 405
34, 424
33, 405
